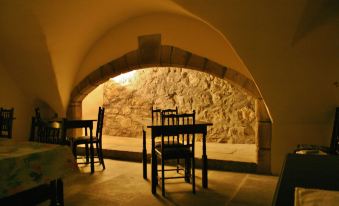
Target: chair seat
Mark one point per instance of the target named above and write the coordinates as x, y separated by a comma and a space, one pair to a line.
158, 144
174, 151
83, 139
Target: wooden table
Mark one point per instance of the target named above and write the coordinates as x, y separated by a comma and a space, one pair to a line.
25, 165
198, 128
86, 124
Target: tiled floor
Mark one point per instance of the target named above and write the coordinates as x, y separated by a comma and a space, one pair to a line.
232, 152
230, 157
122, 184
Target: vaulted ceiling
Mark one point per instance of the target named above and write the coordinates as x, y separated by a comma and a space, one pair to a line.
289, 48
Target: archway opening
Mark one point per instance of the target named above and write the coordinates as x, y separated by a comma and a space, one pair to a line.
168, 56
128, 98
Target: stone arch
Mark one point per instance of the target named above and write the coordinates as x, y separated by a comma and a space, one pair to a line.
156, 55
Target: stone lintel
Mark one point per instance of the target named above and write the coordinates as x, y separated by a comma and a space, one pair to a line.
96, 77
195, 62
262, 113
120, 65
264, 161
235, 77
132, 60
165, 55
264, 135
179, 57
74, 110
251, 88
215, 69
107, 70
149, 49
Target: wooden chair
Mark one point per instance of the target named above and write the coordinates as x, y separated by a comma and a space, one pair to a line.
97, 140
156, 119
6, 122
47, 132
156, 115
170, 111
51, 133
177, 143
332, 149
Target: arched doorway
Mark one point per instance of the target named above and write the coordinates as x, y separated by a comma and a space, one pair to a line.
151, 54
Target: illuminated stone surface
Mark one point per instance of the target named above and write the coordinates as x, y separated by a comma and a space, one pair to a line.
128, 103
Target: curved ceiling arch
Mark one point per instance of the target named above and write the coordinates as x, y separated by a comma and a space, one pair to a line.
180, 31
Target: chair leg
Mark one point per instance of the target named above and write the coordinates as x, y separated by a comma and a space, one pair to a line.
187, 170
178, 162
193, 175
60, 192
156, 171
74, 150
101, 156
87, 153
163, 177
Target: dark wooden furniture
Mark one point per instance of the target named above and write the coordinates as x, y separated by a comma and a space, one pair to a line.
169, 111
47, 132
333, 148
32, 172
87, 125
97, 139
53, 191
156, 115
176, 144
156, 120
6, 122
308, 171
198, 128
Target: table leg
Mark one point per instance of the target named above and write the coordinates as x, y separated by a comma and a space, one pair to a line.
154, 168
53, 193
204, 163
91, 151
60, 192
144, 154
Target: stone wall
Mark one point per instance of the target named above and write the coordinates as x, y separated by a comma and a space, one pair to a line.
128, 103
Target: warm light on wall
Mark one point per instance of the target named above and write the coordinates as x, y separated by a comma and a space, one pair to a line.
124, 79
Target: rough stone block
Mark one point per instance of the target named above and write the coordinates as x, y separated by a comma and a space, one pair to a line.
107, 70
264, 162
196, 62
120, 65
262, 113
165, 55
235, 77
149, 49
264, 135
251, 88
179, 57
215, 69
132, 60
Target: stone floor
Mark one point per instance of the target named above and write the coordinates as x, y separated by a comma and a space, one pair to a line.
230, 157
231, 152
122, 184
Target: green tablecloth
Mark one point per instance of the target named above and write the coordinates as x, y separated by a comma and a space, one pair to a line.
24, 165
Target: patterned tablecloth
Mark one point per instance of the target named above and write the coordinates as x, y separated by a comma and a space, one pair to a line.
24, 165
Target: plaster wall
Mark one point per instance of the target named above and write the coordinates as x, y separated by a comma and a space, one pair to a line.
13, 97
91, 104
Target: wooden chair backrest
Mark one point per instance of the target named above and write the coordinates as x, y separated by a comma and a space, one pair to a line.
100, 123
6, 122
47, 132
181, 136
